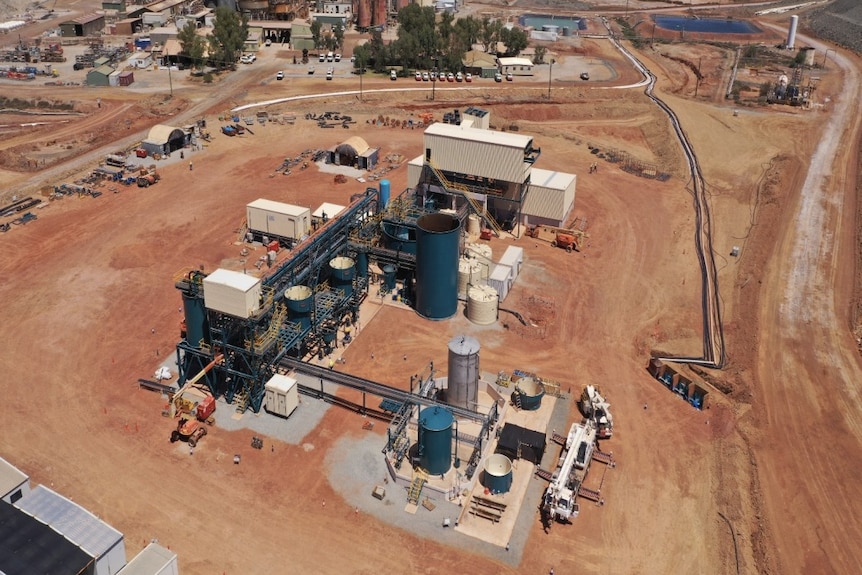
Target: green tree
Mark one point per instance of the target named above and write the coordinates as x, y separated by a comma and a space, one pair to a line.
467, 30
338, 34
229, 34
489, 34
539, 58
514, 39
315, 33
192, 44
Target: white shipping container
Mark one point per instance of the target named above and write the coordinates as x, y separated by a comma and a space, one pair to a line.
513, 257
152, 560
501, 280
281, 395
278, 219
232, 293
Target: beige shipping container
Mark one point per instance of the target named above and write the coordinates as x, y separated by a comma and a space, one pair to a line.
278, 219
233, 293
483, 153
281, 395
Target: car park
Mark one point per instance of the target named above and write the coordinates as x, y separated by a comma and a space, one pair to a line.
468, 77
393, 75
498, 77
459, 77
279, 75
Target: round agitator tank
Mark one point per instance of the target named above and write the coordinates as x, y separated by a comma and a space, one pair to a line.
195, 314
463, 375
299, 303
497, 476
469, 273
482, 304
530, 392
384, 194
435, 440
398, 237
341, 272
389, 271
437, 240
567, 31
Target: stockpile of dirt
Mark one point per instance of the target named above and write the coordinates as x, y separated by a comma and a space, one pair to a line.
841, 22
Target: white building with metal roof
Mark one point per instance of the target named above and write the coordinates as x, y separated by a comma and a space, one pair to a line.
152, 560
14, 483
515, 66
550, 198
93, 536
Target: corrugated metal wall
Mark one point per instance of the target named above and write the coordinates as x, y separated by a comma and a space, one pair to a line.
549, 203
477, 158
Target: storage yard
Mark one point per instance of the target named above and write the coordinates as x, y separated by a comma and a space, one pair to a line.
469, 329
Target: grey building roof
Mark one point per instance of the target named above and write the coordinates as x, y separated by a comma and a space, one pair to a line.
71, 520
152, 559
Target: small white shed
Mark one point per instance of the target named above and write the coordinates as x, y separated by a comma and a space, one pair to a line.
152, 560
232, 293
513, 257
141, 60
281, 395
278, 219
501, 280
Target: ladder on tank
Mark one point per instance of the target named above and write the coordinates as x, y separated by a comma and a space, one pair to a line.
419, 480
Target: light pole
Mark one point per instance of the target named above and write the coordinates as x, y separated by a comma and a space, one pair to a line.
550, 72
434, 77
360, 78
826, 55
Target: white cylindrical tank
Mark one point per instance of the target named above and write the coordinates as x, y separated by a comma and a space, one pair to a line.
791, 34
482, 304
463, 377
782, 80
474, 228
469, 273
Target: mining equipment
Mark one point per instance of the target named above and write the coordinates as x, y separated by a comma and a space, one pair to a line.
147, 177
594, 406
195, 406
188, 429
559, 502
566, 238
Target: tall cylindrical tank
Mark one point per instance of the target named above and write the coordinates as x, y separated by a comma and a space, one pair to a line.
791, 33
362, 264
384, 194
469, 273
567, 31
380, 9
482, 304
528, 393
809, 56
300, 300
389, 271
497, 476
437, 240
435, 440
474, 226
341, 272
196, 320
463, 378
363, 16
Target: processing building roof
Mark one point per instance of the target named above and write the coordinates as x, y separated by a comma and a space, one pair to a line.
551, 179
30, 547
10, 477
506, 139
75, 523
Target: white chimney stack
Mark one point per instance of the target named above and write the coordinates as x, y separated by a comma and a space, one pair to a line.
791, 34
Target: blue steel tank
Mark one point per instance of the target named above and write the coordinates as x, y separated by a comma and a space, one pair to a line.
300, 300
437, 239
399, 237
435, 440
384, 195
362, 265
196, 320
497, 473
528, 393
389, 272
341, 272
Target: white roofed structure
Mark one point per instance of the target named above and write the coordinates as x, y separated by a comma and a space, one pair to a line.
550, 197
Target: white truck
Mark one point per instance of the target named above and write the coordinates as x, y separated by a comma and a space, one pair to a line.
560, 499
594, 406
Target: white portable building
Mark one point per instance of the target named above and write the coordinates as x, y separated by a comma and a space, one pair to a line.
501, 280
14, 483
281, 396
414, 171
141, 60
328, 210
232, 293
278, 219
516, 66
514, 258
550, 198
463, 150
93, 536
152, 560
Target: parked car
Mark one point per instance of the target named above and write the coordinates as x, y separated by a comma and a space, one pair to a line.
468, 77
434, 76
585, 75
509, 77
279, 75
329, 73
268, 42
322, 57
338, 57
392, 75
418, 76
459, 77
425, 77
498, 77
450, 77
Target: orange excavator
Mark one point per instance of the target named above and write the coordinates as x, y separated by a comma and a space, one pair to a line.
195, 408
